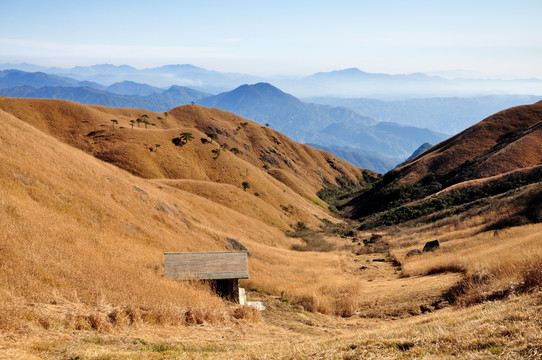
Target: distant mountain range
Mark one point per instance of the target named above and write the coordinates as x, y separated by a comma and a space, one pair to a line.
364, 141
162, 77
323, 125
349, 83
14, 78
370, 133
265, 103
356, 83
448, 115
16, 83
164, 101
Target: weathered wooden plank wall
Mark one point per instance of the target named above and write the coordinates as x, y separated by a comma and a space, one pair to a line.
206, 265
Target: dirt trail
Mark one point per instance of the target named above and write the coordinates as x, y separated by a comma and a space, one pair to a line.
388, 293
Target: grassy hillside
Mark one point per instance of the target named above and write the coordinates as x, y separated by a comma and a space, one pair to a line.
504, 149
82, 242
80, 232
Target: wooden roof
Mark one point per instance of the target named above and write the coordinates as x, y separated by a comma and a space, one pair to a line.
206, 265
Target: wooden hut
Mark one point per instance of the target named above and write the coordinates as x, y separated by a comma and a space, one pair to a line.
223, 269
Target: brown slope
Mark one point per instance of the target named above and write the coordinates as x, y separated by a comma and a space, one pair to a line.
303, 169
502, 143
81, 239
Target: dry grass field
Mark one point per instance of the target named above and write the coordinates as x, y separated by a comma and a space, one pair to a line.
82, 243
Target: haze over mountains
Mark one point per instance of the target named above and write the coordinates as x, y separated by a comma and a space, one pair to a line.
449, 115
330, 127
346, 83
371, 133
356, 83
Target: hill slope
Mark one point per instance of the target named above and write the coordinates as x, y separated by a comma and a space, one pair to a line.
78, 232
505, 148
238, 154
82, 242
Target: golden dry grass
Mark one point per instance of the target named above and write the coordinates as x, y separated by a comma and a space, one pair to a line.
508, 329
89, 239
81, 256
89, 128
494, 263
495, 138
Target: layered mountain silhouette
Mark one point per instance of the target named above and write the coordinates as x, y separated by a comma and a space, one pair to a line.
448, 115
354, 82
16, 78
132, 88
265, 103
91, 96
322, 125
163, 77
340, 129
304, 122
346, 83
364, 159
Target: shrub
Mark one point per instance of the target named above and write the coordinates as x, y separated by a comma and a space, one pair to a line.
316, 201
247, 313
531, 274
245, 185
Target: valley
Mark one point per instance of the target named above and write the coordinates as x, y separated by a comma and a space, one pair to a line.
289, 180
92, 196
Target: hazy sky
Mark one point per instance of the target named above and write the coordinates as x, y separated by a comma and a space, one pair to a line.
496, 38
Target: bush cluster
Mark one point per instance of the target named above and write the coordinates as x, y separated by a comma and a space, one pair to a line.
448, 200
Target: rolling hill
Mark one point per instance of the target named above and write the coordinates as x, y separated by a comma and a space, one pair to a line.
89, 205
496, 155
240, 144
309, 123
95, 204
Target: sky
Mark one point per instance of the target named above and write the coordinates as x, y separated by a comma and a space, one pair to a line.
498, 39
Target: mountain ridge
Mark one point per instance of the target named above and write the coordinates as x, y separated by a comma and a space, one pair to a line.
501, 144
304, 122
214, 82
249, 142
262, 102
